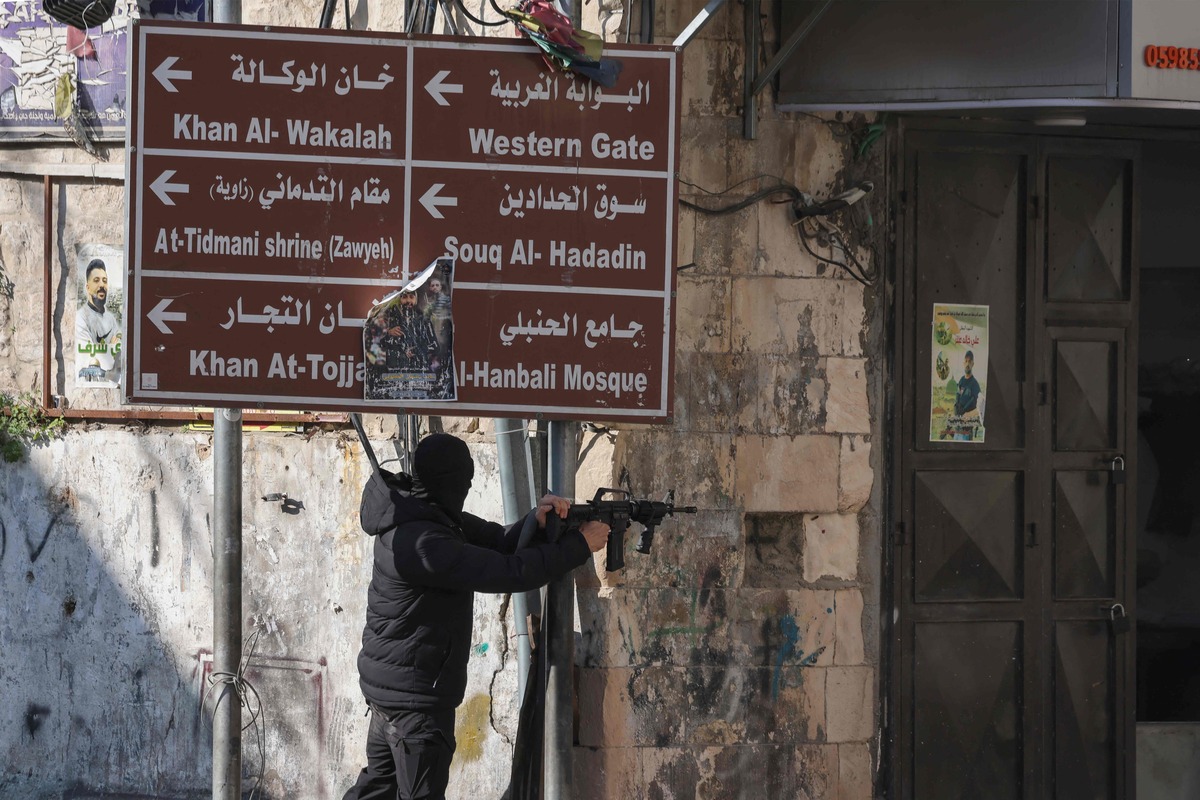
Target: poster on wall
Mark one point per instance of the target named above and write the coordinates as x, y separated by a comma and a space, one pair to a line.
959, 373
40, 57
99, 362
409, 340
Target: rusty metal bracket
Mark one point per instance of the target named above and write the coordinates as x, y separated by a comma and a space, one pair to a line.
752, 84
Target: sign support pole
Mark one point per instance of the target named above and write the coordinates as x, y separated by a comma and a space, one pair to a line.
559, 742
227, 604
227, 570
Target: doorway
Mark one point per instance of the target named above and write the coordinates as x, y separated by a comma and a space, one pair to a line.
1014, 553
1168, 478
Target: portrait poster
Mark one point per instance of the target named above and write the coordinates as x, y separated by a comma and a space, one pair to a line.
99, 316
40, 56
959, 371
408, 340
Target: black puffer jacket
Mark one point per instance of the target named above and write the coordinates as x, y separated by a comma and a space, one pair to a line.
418, 633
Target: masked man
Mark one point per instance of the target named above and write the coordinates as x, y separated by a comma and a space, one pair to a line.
430, 559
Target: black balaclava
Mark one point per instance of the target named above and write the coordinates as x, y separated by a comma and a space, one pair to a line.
443, 470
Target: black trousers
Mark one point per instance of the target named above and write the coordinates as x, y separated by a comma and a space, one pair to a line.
408, 757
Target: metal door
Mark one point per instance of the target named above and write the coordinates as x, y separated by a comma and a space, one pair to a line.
1011, 554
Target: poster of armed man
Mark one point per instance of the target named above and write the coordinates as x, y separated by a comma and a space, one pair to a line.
959, 373
408, 340
98, 317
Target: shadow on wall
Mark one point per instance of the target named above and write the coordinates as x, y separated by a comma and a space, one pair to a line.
105, 578
95, 699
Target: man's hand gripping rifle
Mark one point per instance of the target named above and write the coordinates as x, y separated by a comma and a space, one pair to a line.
621, 510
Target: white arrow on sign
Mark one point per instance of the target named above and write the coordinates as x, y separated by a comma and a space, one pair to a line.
165, 74
163, 187
431, 201
160, 316
438, 89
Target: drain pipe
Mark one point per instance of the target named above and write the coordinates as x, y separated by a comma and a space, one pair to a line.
516, 485
560, 633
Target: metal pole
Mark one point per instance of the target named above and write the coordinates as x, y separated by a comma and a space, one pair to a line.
516, 485
560, 632
749, 105
227, 602
227, 11
227, 568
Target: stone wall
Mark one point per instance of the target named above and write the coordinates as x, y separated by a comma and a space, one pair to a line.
739, 659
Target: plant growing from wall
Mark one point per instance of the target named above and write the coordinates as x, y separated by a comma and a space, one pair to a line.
23, 424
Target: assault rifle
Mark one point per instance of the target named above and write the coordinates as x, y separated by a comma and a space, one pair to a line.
618, 513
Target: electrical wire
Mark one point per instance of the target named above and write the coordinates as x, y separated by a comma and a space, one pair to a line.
462, 6
858, 272
781, 186
795, 199
244, 690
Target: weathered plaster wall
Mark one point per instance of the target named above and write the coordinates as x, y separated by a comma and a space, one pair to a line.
739, 659
106, 581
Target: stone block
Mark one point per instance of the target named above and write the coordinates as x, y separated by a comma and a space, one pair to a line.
671, 18
703, 158
624, 707
780, 253
850, 704
856, 776
689, 551
787, 473
659, 715
685, 239
782, 395
831, 547
697, 465
708, 391
848, 639
776, 628
648, 627
856, 475
774, 551
802, 772
771, 154
595, 466
712, 79
853, 319
847, 409
716, 702
702, 314
605, 773
787, 316
668, 773
605, 18
725, 243
786, 705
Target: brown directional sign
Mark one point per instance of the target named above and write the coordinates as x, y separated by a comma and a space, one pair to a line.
283, 181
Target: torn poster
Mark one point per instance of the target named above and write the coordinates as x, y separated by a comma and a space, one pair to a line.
408, 339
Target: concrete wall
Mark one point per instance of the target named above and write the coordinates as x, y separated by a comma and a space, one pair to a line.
739, 659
